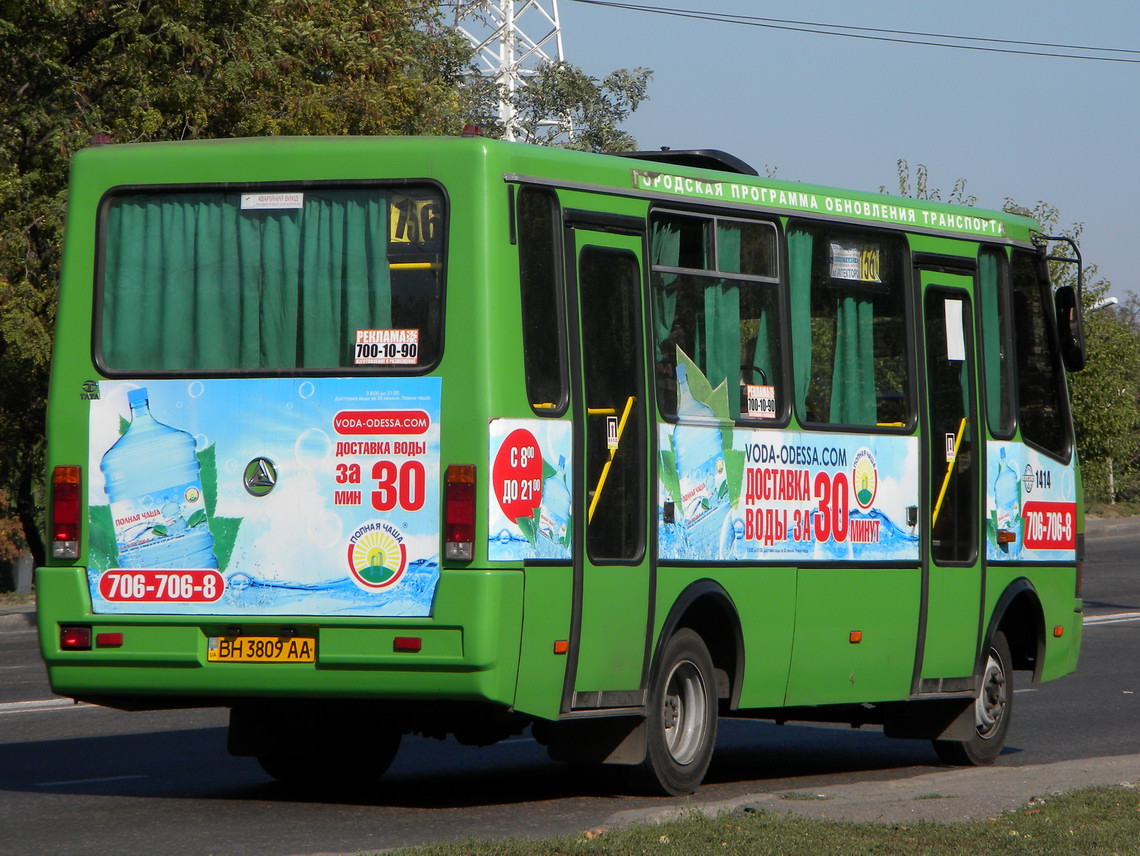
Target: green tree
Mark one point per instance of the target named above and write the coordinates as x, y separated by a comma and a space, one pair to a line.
589, 112
145, 70
140, 70
1106, 415
1103, 395
920, 187
1105, 411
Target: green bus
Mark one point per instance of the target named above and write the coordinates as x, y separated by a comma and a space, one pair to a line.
364, 437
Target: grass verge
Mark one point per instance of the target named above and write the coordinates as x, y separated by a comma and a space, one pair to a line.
1094, 822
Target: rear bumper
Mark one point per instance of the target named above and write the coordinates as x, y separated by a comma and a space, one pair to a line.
468, 649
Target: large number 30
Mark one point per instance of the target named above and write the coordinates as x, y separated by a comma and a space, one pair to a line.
403, 486
831, 518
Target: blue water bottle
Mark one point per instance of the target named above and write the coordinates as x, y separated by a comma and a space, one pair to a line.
153, 482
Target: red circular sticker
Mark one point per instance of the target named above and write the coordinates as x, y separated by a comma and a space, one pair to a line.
517, 475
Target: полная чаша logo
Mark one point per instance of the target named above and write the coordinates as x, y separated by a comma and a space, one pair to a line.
865, 479
377, 555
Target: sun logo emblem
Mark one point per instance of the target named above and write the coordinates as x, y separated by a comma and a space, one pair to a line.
865, 478
377, 555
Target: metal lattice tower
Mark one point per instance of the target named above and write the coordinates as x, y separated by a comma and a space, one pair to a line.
513, 39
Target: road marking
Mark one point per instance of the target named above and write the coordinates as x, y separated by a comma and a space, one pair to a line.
39, 705
1112, 618
88, 781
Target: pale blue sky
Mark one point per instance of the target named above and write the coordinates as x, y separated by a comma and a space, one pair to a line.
841, 111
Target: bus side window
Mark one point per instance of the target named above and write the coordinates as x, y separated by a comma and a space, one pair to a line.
540, 279
1040, 402
849, 331
998, 349
716, 299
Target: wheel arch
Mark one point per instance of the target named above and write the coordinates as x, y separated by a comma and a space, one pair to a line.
1019, 615
707, 609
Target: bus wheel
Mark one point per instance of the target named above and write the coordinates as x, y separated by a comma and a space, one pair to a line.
324, 766
992, 711
680, 719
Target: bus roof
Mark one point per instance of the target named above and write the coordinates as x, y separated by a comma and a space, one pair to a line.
690, 180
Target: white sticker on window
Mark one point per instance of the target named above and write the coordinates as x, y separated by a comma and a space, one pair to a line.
387, 347
955, 333
855, 262
271, 201
761, 401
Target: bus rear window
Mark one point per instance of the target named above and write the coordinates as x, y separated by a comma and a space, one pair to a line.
319, 278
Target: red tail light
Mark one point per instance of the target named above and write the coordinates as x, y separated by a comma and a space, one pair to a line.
65, 506
459, 512
75, 638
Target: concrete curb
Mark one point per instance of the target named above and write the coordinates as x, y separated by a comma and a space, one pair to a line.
17, 617
1111, 527
954, 795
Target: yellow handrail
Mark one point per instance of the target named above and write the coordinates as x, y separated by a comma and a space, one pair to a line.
608, 411
413, 266
949, 469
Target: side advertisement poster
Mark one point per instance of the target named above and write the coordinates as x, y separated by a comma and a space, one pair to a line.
1031, 505
529, 506
265, 496
735, 494
740, 494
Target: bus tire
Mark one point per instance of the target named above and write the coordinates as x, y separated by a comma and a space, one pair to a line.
681, 718
324, 766
992, 710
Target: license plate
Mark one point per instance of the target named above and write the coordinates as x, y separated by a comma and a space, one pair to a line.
262, 649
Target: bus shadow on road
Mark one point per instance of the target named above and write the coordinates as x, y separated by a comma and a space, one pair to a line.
194, 764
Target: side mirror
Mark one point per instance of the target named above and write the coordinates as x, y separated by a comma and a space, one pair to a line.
1069, 330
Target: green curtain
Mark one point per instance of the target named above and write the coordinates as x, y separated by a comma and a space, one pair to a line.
853, 380
993, 359
194, 282
799, 277
664, 250
722, 314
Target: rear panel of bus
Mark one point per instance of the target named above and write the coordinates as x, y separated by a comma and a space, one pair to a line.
260, 384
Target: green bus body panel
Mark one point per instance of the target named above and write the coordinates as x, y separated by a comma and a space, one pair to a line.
765, 600
880, 603
615, 606
493, 628
952, 618
469, 648
1053, 587
547, 601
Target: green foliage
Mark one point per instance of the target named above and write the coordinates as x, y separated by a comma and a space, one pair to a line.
590, 111
1106, 412
141, 70
149, 70
921, 189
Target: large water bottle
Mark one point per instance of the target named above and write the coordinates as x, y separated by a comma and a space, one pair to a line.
1007, 496
554, 517
153, 483
699, 449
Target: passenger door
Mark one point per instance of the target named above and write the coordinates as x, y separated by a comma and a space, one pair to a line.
612, 578
953, 449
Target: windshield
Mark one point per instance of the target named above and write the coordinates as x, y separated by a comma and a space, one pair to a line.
272, 280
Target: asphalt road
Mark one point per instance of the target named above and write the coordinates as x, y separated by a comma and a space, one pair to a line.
79, 779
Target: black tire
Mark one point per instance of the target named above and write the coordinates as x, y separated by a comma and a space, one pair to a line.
992, 711
329, 766
681, 718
